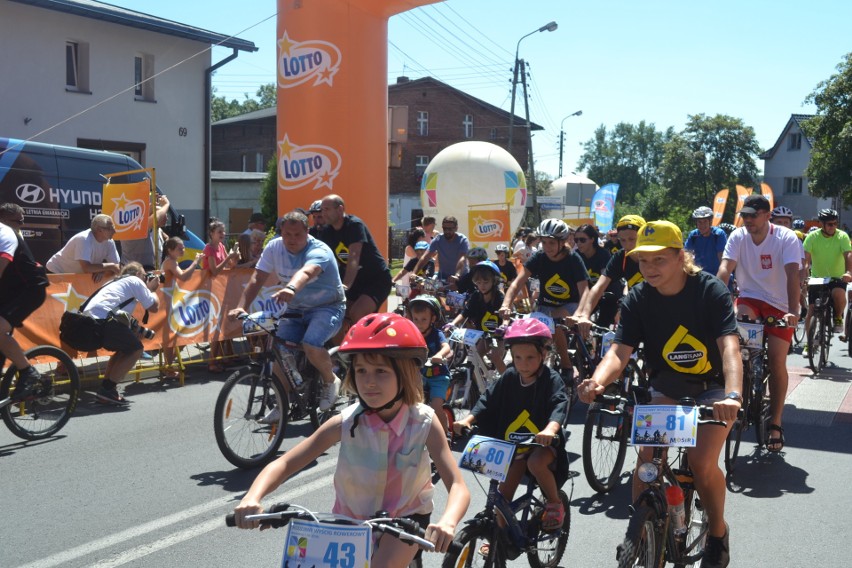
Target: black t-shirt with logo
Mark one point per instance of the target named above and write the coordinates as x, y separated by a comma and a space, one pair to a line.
482, 314
622, 266
596, 265
508, 272
679, 332
354, 231
426, 270
558, 278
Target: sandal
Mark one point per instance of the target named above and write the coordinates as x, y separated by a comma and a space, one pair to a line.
484, 549
774, 445
552, 517
171, 375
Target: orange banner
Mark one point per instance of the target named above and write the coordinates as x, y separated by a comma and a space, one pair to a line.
742, 193
719, 204
128, 205
488, 226
333, 105
766, 190
190, 312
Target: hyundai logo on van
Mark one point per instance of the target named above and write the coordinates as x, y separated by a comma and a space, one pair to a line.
30, 193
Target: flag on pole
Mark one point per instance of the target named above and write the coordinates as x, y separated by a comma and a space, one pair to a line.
742, 193
603, 206
719, 204
767, 193
128, 204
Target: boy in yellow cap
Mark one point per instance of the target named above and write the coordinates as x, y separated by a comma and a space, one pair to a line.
685, 319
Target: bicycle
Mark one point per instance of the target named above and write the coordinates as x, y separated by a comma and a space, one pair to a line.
847, 327
522, 532
653, 535
470, 375
607, 428
756, 407
48, 409
821, 326
248, 431
340, 547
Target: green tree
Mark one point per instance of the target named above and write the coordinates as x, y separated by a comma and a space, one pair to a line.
629, 155
830, 169
221, 108
269, 193
709, 154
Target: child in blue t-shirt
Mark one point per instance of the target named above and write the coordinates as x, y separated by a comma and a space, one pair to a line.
425, 311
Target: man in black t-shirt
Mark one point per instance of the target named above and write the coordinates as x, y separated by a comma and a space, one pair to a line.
363, 269
23, 288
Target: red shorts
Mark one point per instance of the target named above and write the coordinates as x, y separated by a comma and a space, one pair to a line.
763, 310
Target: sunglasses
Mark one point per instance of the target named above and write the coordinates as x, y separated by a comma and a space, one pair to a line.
581, 240
748, 215
830, 223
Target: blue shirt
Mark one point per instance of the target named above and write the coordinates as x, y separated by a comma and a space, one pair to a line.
707, 249
323, 290
449, 253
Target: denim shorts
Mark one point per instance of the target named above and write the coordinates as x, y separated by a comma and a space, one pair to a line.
436, 387
558, 311
315, 327
706, 398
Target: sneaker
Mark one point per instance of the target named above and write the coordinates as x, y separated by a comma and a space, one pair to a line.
147, 356
838, 325
329, 394
716, 554
272, 417
805, 350
110, 396
29, 381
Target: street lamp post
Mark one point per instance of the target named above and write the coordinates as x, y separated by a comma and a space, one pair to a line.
562, 137
520, 68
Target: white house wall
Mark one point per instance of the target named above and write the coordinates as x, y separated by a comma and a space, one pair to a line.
32, 67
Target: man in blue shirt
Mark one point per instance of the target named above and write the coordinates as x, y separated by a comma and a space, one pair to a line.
706, 242
312, 288
451, 249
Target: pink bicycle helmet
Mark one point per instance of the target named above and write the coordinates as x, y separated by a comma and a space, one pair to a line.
527, 330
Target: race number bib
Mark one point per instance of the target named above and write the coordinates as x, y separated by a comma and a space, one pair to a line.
489, 456
456, 299
467, 336
545, 319
327, 546
664, 425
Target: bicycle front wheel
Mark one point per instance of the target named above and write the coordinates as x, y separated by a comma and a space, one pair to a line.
847, 331
46, 412
826, 324
548, 546
643, 543
696, 531
471, 539
247, 430
604, 448
813, 344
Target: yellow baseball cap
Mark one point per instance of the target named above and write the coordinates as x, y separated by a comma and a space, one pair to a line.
634, 222
658, 235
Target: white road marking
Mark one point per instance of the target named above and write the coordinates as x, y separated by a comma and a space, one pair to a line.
293, 491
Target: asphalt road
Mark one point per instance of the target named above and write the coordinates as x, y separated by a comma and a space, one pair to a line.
147, 486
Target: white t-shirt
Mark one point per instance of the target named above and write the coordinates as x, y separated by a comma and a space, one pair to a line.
760, 268
82, 246
113, 294
8, 242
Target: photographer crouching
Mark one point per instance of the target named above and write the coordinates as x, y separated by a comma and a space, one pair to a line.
112, 306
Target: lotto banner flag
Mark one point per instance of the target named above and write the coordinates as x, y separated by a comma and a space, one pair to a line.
603, 206
768, 194
719, 204
488, 225
128, 205
742, 193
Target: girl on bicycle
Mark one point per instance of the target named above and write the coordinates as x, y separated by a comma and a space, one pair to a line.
386, 441
563, 279
482, 306
173, 250
685, 318
529, 398
425, 312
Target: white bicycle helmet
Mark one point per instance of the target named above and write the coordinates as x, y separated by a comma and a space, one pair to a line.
702, 212
782, 211
554, 229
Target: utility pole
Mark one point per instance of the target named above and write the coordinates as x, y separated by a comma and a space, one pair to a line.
561, 146
512, 110
531, 185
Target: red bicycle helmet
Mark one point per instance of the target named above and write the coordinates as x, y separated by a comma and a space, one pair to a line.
390, 335
527, 330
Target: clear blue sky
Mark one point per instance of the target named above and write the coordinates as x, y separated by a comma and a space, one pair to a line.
616, 60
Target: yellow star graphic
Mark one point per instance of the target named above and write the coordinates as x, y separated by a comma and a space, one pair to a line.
120, 202
284, 147
284, 44
177, 294
71, 299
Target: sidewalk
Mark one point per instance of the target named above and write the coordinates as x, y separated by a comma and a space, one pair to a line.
824, 399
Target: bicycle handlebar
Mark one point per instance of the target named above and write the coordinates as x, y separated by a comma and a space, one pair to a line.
705, 413
529, 442
404, 529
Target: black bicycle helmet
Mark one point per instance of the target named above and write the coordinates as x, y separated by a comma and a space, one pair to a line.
798, 224
827, 215
554, 228
727, 227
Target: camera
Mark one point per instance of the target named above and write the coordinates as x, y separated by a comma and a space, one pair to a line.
143, 332
150, 276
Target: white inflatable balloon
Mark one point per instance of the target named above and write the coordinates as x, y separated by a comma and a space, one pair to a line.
481, 185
